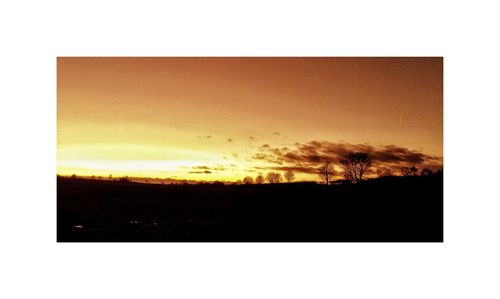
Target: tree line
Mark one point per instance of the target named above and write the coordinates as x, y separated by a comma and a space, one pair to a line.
355, 167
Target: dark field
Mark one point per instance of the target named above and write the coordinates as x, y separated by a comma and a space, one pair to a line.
389, 209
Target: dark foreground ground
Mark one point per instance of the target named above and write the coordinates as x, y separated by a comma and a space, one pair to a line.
389, 209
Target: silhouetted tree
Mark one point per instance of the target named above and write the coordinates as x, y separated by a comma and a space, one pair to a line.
426, 171
248, 180
289, 176
259, 179
405, 171
356, 165
414, 171
73, 176
326, 172
274, 177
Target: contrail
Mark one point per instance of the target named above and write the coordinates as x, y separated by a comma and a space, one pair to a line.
402, 112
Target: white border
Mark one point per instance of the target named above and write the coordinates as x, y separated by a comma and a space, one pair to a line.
33, 265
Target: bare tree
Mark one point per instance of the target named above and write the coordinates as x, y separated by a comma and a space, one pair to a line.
356, 165
326, 172
248, 180
259, 179
273, 177
289, 176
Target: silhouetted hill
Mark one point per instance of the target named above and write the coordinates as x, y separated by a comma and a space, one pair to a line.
386, 209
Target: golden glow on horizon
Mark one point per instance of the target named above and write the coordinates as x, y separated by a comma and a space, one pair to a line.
204, 118
144, 161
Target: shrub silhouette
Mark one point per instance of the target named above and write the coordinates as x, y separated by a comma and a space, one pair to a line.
289, 176
426, 171
248, 180
259, 179
405, 171
274, 177
414, 171
409, 171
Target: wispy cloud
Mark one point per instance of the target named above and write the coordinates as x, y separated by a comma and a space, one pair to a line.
402, 112
201, 167
213, 168
205, 171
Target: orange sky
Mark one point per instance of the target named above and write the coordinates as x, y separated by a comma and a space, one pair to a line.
208, 118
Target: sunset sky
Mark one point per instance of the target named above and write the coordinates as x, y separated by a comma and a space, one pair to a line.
226, 118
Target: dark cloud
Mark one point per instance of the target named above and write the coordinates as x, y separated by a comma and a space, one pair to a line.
276, 133
307, 157
205, 171
251, 138
392, 153
230, 140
